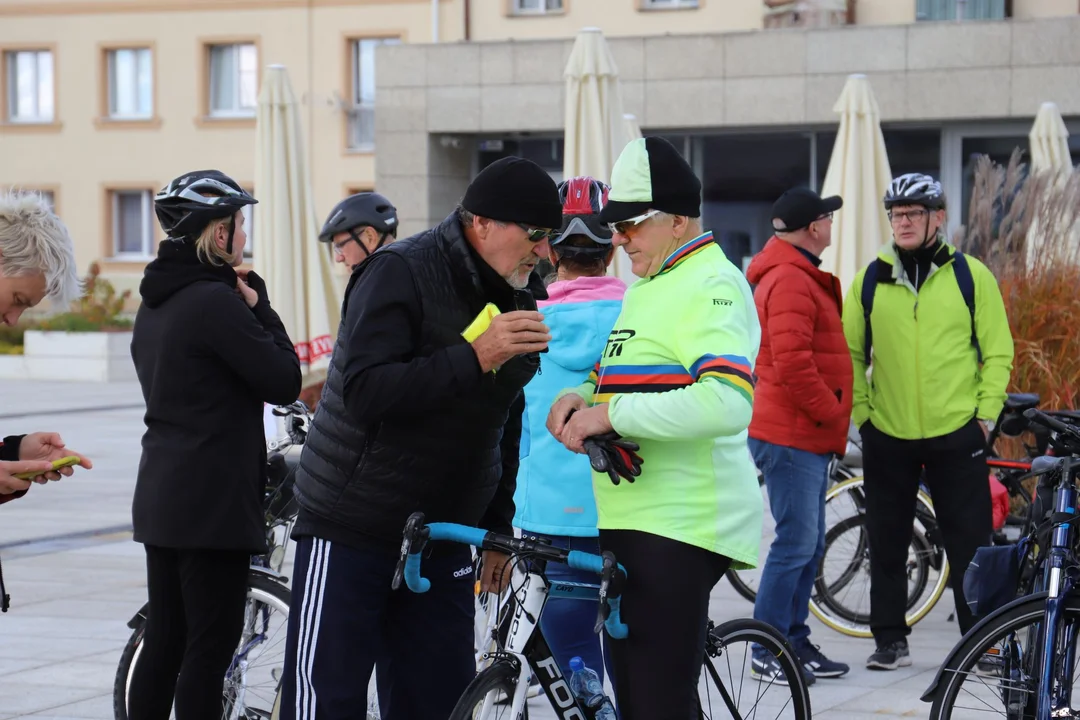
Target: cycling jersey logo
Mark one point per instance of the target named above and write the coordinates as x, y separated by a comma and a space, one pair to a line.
615, 342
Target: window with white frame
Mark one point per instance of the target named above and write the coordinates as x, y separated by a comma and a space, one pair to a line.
29, 86
132, 223
234, 79
537, 7
362, 117
650, 4
131, 84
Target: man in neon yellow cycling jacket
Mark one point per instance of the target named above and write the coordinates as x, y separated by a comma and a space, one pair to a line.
676, 376
938, 372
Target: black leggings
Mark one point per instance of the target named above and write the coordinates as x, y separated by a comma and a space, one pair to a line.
193, 626
666, 605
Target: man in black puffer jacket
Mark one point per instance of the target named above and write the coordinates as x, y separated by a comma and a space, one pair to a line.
415, 418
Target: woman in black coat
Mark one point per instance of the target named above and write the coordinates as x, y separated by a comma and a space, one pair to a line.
209, 351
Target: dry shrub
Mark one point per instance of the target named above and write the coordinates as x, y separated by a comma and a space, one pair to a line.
1026, 228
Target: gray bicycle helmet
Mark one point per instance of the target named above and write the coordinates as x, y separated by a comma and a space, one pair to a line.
190, 202
915, 189
366, 209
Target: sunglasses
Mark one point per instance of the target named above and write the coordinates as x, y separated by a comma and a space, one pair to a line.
622, 227
538, 234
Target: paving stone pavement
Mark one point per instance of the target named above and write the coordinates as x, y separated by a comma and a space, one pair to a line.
72, 597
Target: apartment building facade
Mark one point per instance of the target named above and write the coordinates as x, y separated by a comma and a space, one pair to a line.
103, 101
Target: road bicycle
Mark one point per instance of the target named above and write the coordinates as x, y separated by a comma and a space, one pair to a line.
251, 682
522, 650
841, 595
1022, 656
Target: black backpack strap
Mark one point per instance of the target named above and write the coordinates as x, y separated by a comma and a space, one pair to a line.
869, 285
967, 288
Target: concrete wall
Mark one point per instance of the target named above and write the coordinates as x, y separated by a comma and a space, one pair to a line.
919, 72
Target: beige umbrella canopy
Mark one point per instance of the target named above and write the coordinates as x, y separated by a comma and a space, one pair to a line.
287, 253
1049, 140
595, 124
1049, 143
859, 172
631, 127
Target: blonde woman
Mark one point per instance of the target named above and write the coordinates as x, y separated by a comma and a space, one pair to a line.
209, 351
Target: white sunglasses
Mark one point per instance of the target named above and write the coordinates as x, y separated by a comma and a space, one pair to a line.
623, 226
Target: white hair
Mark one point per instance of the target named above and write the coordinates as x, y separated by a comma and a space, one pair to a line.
34, 240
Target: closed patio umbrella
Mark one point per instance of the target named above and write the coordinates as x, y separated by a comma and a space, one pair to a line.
287, 254
859, 172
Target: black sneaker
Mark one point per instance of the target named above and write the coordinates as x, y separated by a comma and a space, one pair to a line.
816, 663
890, 657
768, 669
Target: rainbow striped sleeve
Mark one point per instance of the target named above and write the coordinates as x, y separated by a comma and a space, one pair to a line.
595, 374
732, 370
620, 379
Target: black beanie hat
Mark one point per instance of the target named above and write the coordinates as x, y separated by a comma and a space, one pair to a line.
513, 189
650, 174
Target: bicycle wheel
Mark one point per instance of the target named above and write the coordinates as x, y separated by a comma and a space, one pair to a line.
841, 597
745, 582
998, 665
481, 697
250, 685
720, 698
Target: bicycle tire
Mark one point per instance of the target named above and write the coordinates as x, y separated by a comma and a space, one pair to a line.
971, 646
500, 675
862, 630
260, 588
825, 594
744, 590
763, 634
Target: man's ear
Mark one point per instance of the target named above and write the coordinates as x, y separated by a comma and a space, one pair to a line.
679, 223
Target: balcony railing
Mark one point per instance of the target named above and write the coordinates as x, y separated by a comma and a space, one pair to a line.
962, 9
808, 13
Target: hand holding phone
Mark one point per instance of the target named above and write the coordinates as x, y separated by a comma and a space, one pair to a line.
56, 465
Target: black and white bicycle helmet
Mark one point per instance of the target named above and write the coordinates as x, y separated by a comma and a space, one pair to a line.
915, 189
189, 203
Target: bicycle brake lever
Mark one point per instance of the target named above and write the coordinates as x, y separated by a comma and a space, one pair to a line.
412, 530
603, 609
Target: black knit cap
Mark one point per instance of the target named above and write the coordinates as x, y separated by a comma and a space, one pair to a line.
650, 174
513, 189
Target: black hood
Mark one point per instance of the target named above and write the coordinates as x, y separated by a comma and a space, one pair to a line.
177, 266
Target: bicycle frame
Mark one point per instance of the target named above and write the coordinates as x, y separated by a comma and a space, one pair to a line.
521, 639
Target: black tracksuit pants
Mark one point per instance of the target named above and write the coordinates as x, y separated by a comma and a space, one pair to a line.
957, 476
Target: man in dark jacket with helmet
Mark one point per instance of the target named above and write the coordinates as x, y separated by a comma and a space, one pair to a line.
358, 226
415, 418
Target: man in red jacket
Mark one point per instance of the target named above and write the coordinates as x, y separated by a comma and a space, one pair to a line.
802, 406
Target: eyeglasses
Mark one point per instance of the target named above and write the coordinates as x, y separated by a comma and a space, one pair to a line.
537, 234
897, 218
624, 226
826, 216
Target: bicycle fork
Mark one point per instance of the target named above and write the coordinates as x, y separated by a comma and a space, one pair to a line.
1053, 696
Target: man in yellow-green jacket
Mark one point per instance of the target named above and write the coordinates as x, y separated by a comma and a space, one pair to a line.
930, 324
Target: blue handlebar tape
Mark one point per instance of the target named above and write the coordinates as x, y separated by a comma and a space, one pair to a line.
440, 531
457, 533
594, 563
616, 628
412, 574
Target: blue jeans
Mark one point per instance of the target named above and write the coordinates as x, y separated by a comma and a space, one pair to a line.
796, 481
568, 624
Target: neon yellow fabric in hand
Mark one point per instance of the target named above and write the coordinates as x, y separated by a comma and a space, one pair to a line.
480, 323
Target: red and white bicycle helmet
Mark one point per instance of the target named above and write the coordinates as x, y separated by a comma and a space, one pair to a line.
582, 198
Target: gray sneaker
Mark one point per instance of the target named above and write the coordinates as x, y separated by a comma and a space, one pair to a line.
890, 657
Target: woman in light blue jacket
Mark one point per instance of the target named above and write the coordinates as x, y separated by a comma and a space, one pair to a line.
554, 495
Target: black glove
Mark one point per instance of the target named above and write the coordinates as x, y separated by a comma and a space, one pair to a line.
257, 284
615, 455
